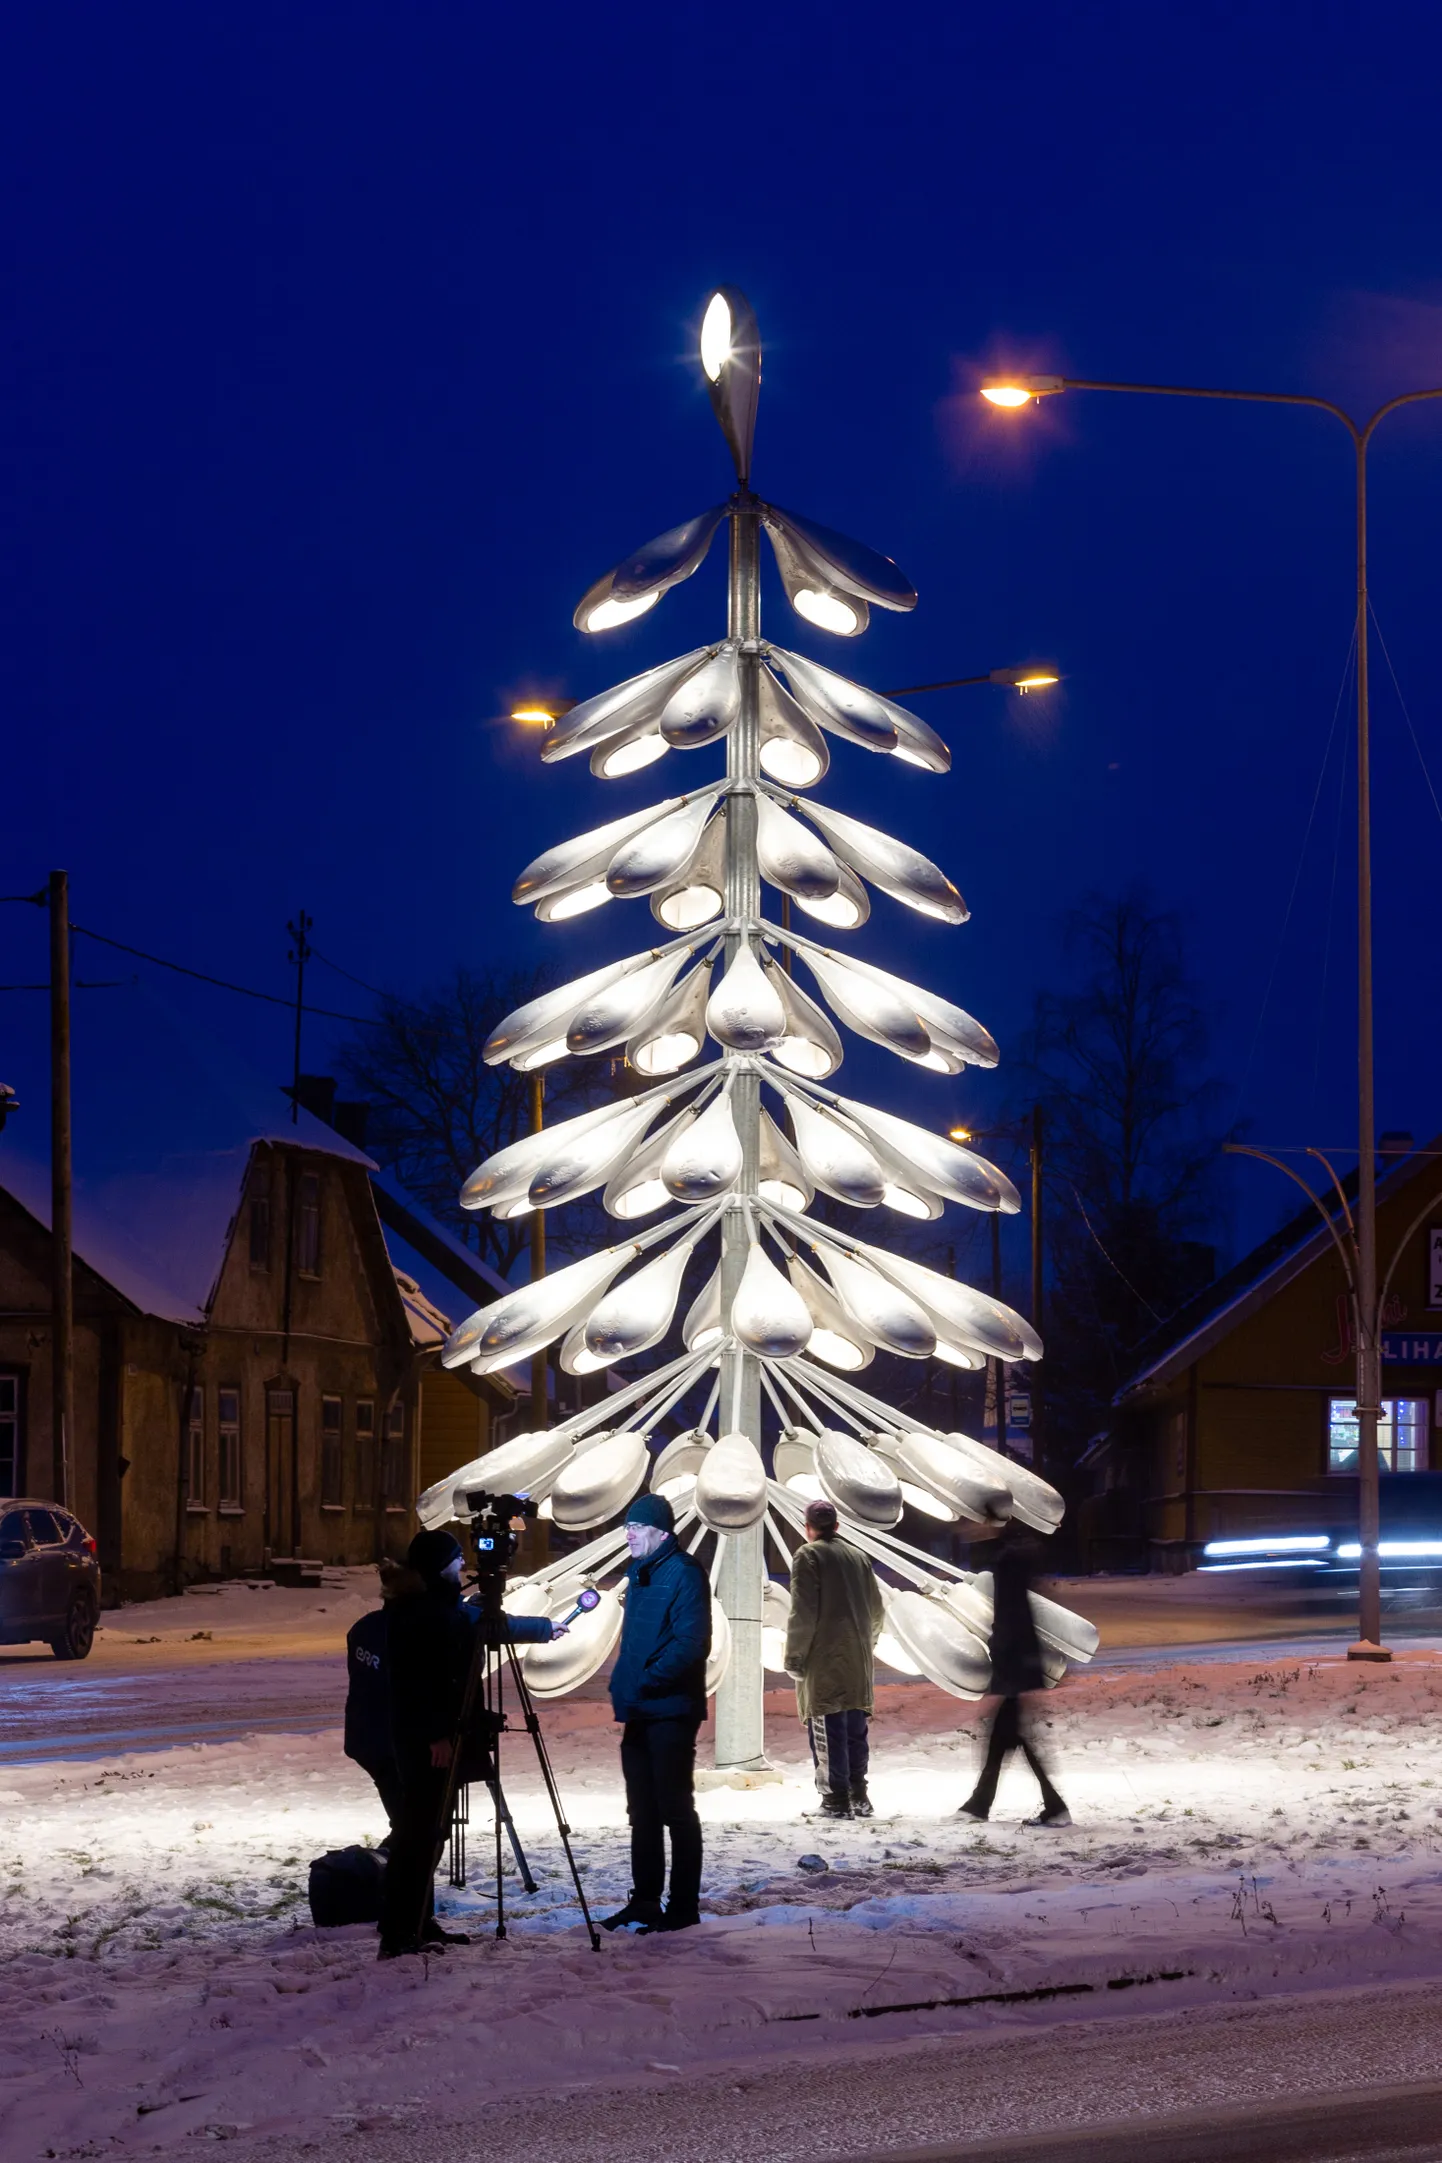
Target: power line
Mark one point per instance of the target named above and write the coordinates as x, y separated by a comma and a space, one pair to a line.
246, 991
359, 981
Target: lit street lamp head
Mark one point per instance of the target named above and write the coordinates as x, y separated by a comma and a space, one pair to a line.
1021, 390
1025, 679
731, 364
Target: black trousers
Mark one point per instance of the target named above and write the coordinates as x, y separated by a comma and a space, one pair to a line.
658, 1763
387, 1780
408, 1897
840, 1750
1007, 1734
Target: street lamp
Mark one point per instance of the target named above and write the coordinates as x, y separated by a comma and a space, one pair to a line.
1036, 677
1018, 391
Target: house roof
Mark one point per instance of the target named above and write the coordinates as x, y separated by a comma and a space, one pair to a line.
1221, 1306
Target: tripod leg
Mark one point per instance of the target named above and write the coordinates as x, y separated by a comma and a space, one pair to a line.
503, 1816
533, 1727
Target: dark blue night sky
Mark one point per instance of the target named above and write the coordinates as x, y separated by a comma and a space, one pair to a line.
342, 347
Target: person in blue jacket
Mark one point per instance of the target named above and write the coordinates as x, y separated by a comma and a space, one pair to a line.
658, 1693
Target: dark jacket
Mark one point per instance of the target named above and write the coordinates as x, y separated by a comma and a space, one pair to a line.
660, 1671
430, 1632
1015, 1649
368, 1696
836, 1618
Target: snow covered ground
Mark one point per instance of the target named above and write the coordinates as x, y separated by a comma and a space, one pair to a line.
1242, 1830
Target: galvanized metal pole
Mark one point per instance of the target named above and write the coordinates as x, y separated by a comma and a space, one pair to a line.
1369, 1364
740, 1729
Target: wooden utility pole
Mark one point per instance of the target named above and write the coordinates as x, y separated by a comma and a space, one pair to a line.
300, 954
62, 1296
996, 1367
540, 1391
1037, 1263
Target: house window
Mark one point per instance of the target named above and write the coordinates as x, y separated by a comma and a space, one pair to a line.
365, 1454
260, 1216
307, 1225
330, 1454
1401, 1435
393, 1459
9, 1434
228, 1468
195, 1450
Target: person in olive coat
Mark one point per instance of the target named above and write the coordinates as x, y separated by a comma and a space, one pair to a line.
658, 1693
1015, 1672
836, 1618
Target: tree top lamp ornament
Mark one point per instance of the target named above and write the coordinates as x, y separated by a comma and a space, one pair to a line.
784, 1310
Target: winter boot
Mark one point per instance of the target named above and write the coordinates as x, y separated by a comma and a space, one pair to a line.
648, 1913
1056, 1817
433, 1934
980, 1811
833, 1805
861, 1803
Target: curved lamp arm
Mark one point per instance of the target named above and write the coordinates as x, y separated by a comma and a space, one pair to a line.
1244, 1149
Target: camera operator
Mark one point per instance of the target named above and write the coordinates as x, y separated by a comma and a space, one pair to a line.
430, 1633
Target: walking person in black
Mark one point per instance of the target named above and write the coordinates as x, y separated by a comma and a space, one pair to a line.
836, 1618
658, 1693
1015, 1672
430, 1631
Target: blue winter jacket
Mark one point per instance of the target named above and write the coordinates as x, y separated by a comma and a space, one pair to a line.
660, 1671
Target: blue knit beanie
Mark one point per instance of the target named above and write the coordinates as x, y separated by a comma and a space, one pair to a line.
652, 1510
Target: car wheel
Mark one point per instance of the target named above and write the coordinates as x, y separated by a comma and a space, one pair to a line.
78, 1635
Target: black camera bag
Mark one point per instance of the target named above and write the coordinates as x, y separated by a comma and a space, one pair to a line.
345, 1887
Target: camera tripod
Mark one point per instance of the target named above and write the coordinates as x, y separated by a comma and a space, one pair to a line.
483, 1720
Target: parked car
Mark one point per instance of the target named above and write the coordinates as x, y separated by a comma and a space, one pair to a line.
49, 1578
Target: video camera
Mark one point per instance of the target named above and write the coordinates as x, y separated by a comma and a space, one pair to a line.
493, 1534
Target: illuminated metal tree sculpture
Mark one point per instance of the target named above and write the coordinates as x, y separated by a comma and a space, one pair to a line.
795, 1308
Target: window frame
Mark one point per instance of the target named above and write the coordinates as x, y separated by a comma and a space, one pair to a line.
367, 1464
332, 1452
307, 1225
393, 1462
229, 1448
195, 1467
1388, 1425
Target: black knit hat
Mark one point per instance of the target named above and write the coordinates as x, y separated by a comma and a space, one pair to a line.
652, 1510
430, 1554
822, 1518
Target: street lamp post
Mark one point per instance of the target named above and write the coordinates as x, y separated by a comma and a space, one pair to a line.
1022, 391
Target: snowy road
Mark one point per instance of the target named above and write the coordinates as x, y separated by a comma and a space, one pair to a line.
72, 1712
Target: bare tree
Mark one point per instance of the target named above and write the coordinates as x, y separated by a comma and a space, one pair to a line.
437, 1109
1118, 1061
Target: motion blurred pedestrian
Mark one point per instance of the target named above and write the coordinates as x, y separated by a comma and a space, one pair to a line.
836, 1618
1016, 1671
658, 1693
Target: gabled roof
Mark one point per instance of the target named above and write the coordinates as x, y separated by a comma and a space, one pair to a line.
1211, 1314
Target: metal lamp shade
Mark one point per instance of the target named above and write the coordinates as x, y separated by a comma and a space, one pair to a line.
781, 1176
657, 855
624, 708
637, 1190
523, 1466
524, 1321
947, 1168
706, 706
947, 1025
576, 1356
595, 1486
1033, 1500
652, 570
834, 1158
744, 1011
698, 891
943, 1468
810, 1046
814, 593
683, 1455
891, 1320
858, 1482
940, 1643
573, 1167
791, 748
868, 1005
976, 1318
673, 1032
768, 1315
731, 1485
543, 1021
571, 863
794, 1457
849, 564
506, 1176
834, 703
846, 909
706, 1159
791, 857
775, 1621
636, 1313
631, 752
894, 866
702, 1325
731, 346
618, 1011
835, 1338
